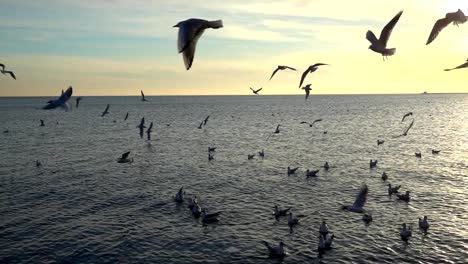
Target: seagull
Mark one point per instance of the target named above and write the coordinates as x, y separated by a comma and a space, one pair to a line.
464, 65
193, 202
455, 17
78, 99
310, 173
384, 176
380, 142
360, 201
423, 224
324, 243
209, 218
307, 90
179, 197
190, 31
42, 123
406, 131
143, 99
5, 72
367, 218
141, 126
211, 149
249, 156
373, 163
206, 120
196, 209
435, 152
292, 221
323, 229
261, 153
124, 158
404, 197
311, 69
126, 116
380, 45
392, 190
292, 171
326, 166
275, 251
61, 101
280, 67
149, 130
277, 129
280, 212
106, 111
38, 163
201, 125
406, 115
312, 124
256, 91
418, 154
405, 233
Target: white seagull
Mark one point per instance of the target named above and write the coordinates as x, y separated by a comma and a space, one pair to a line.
190, 31
380, 45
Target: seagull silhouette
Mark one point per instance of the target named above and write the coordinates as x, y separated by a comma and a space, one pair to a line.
256, 91
380, 45
141, 126
149, 130
406, 131
124, 158
61, 101
311, 69
360, 201
106, 111
126, 116
406, 115
143, 99
280, 68
78, 99
307, 90
206, 120
7, 72
456, 18
190, 31
312, 124
464, 65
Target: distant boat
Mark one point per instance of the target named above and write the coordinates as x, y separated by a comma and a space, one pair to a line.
424, 92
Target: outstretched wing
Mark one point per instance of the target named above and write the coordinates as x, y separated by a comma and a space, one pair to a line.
11, 74
371, 37
291, 68
409, 127
464, 65
259, 90
303, 76
361, 197
437, 28
387, 30
125, 155
274, 72
66, 95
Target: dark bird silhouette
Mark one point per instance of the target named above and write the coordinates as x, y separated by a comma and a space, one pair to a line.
38, 164
312, 124
275, 251
280, 68
392, 190
373, 163
311, 69
418, 154
307, 90
210, 155
126, 116
435, 152
201, 125
261, 154
456, 18
190, 31
256, 91
406, 115
78, 99
380, 45
380, 142
209, 218
211, 149
406, 131
250, 156
206, 120
149, 130
6, 72
292, 171
280, 212
404, 197
277, 130
360, 201
464, 65
42, 122
312, 173
141, 126
143, 99
326, 166
124, 158
384, 176
61, 101
106, 111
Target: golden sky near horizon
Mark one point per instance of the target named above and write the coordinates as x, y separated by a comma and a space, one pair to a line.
119, 47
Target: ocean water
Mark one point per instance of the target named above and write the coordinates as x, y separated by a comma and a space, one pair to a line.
82, 206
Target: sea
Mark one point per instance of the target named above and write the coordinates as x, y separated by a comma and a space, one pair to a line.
82, 206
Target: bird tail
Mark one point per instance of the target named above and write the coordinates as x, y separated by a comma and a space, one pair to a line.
216, 24
389, 52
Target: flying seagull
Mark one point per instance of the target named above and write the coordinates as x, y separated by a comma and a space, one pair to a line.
206, 120
126, 116
61, 101
406, 131
360, 201
141, 126
256, 91
190, 31
149, 130
311, 69
281, 67
78, 99
380, 45
106, 111
312, 124
406, 115
5, 72
307, 90
143, 99
455, 17
124, 158
464, 65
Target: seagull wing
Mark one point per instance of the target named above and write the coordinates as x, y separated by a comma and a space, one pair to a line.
2, 66
291, 68
142, 94
304, 122
307, 93
274, 72
252, 89
437, 28
361, 197
66, 95
387, 30
125, 155
189, 33
303, 76
371, 37
409, 127
464, 65
259, 90
11, 74
106, 110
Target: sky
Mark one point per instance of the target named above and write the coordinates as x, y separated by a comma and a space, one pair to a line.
119, 47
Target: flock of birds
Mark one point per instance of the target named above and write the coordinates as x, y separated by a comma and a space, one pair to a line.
189, 32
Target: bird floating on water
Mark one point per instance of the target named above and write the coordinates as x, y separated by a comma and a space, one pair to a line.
405, 232
275, 251
404, 197
310, 69
418, 154
250, 156
292, 170
360, 201
280, 68
435, 152
106, 111
373, 163
124, 158
380, 142
61, 101
384, 176
323, 229
311, 173
292, 221
209, 218
256, 91
326, 166
392, 190
280, 212
423, 223
261, 154
456, 18
380, 45
2, 70
179, 197
190, 31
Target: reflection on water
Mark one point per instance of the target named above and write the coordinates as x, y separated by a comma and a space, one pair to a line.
82, 206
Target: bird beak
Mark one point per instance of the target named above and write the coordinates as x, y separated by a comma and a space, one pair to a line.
176, 25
